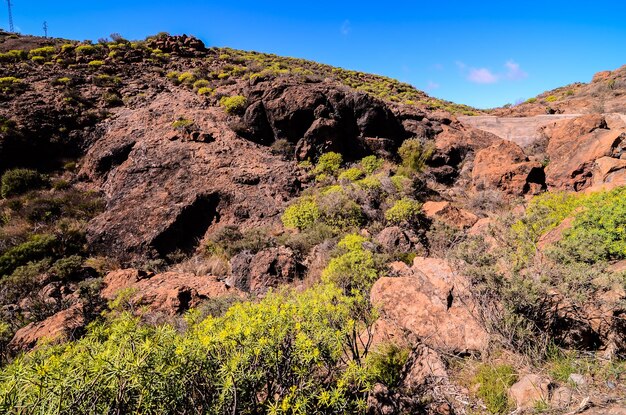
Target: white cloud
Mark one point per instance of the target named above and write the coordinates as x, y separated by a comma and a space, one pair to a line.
514, 72
482, 76
432, 85
346, 28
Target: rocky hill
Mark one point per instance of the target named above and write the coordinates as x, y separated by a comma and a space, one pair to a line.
191, 229
604, 94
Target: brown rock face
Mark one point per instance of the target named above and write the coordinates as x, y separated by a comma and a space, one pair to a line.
163, 196
432, 303
168, 292
61, 326
450, 215
504, 165
264, 270
581, 150
319, 118
394, 239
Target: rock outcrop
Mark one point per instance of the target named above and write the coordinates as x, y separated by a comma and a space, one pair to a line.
586, 152
504, 166
64, 325
169, 292
431, 303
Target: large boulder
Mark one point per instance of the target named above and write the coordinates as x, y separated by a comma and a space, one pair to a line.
318, 117
432, 304
168, 292
586, 151
504, 166
64, 325
266, 269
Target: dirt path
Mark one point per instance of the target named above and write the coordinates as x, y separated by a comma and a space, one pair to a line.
521, 130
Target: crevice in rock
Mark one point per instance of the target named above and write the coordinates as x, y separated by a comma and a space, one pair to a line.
189, 227
114, 158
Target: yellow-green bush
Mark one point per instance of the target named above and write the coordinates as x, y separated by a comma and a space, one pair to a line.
96, 63
283, 355
302, 214
86, 49
17, 181
403, 210
371, 163
414, 154
352, 174
355, 269
46, 52
493, 385
329, 163
233, 105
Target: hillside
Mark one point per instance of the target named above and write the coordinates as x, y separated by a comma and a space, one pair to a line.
604, 94
190, 229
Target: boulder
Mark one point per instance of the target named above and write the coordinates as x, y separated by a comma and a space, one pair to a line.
504, 166
575, 148
266, 269
168, 292
561, 397
64, 325
433, 304
529, 390
394, 240
423, 367
450, 215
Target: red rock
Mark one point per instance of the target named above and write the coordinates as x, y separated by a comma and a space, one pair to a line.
169, 292
575, 146
529, 390
56, 328
450, 215
434, 304
504, 166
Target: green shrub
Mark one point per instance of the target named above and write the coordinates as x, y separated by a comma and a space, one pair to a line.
46, 52
301, 215
355, 270
552, 98
414, 155
369, 183
62, 81
403, 210
386, 363
96, 63
186, 78
38, 59
10, 84
531, 100
86, 49
493, 385
285, 354
339, 210
352, 174
205, 91
67, 267
233, 105
182, 123
18, 181
68, 48
201, 83
371, 163
36, 248
328, 163
14, 56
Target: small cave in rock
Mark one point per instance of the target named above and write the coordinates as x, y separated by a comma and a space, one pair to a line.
186, 231
537, 176
114, 157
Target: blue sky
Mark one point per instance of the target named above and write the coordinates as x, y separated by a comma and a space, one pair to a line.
481, 53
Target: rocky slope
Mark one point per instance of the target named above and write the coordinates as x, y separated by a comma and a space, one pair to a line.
170, 176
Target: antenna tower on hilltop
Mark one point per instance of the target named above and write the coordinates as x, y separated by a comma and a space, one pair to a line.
11, 29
